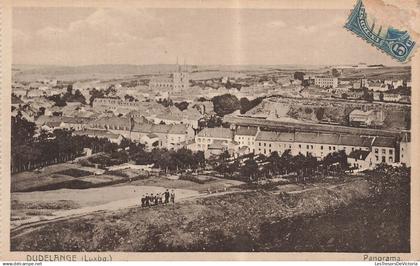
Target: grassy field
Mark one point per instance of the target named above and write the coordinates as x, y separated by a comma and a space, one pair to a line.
244, 221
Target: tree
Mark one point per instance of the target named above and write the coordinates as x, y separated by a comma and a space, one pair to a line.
129, 98
335, 72
95, 94
247, 105
225, 104
182, 105
299, 75
381, 96
320, 113
249, 170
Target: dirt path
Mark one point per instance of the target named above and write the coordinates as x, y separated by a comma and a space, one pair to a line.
33, 224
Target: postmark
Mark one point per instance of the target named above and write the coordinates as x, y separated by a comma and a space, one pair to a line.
396, 43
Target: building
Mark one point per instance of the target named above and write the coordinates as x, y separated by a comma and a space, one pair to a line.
178, 81
366, 118
326, 82
162, 136
209, 136
384, 150
405, 150
245, 137
64, 122
360, 160
114, 104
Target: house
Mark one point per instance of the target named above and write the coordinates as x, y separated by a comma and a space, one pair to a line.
378, 86
360, 160
64, 122
35, 93
245, 137
326, 82
168, 136
150, 140
384, 150
16, 101
208, 135
392, 97
405, 150
117, 125
366, 118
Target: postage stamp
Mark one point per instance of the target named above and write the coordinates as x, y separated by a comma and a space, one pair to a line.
135, 130
396, 43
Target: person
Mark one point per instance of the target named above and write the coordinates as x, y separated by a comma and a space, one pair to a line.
159, 199
146, 200
152, 199
166, 196
143, 201
172, 196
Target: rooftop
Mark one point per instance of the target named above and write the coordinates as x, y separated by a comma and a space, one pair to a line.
247, 131
359, 154
217, 132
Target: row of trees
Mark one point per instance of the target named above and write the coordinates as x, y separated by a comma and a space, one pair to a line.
164, 159
228, 103
254, 167
30, 151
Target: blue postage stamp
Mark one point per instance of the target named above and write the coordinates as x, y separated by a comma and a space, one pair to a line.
395, 43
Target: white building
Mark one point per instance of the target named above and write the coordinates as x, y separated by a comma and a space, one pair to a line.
405, 150
245, 137
324, 82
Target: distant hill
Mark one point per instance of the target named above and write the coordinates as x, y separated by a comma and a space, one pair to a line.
109, 71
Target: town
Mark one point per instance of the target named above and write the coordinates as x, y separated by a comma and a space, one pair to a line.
262, 113
81, 145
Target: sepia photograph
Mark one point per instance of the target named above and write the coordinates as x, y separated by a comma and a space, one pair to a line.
209, 130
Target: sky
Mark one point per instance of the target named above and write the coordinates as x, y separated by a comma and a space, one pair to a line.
89, 36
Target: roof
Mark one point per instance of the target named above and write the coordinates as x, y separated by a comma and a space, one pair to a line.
247, 131
178, 129
16, 100
97, 133
217, 145
113, 120
384, 142
152, 136
359, 154
53, 124
43, 119
217, 132
360, 112
317, 138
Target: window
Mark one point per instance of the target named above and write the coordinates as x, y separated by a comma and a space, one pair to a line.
329, 147
334, 148
307, 147
390, 151
300, 146
390, 158
269, 145
383, 151
265, 144
322, 147
383, 159
259, 143
376, 150
377, 157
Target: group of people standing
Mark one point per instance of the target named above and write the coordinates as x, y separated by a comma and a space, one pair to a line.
158, 198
